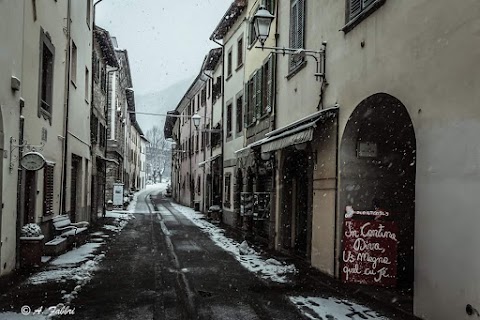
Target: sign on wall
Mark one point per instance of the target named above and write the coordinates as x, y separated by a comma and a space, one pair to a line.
118, 194
369, 248
261, 205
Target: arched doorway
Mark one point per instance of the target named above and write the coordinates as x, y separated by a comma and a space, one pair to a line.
377, 170
295, 203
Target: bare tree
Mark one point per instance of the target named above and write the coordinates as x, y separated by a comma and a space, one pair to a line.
157, 154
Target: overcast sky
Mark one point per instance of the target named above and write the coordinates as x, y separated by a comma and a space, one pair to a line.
166, 39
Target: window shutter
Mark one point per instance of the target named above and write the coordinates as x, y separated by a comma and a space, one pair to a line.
270, 81
48, 189
366, 3
246, 98
300, 23
293, 24
258, 98
355, 7
253, 107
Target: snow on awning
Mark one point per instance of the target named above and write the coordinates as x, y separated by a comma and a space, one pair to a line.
245, 151
201, 164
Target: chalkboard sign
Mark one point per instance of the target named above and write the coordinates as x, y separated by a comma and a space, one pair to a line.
369, 249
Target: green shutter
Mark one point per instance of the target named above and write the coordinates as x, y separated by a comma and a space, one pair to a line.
246, 121
355, 7
366, 3
258, 96
270, 83
300, 24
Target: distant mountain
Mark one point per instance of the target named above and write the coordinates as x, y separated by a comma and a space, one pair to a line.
159, 102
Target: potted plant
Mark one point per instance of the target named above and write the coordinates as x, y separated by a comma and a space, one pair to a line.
31, 245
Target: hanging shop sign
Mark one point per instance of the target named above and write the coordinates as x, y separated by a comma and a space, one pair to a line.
118, 194
32, 161
369, 248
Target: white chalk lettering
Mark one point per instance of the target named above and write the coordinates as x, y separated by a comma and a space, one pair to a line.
376, 233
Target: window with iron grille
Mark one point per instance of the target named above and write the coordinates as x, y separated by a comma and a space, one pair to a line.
48, 180
297, 30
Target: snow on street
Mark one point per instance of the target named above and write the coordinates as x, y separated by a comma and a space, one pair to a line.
269, 269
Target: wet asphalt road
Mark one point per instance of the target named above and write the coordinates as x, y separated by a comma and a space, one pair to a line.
161, 266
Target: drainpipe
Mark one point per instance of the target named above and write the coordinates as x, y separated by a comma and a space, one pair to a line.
210, 141
66, 107
205, 151
106, 136
92, 209
273, 209
335, 242
20, 180
222, 127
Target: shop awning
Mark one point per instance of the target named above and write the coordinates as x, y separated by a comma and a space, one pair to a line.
201, 164
297, 132
289, 138
99, 156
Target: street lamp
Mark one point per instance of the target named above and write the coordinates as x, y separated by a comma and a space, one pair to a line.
196, 120
262, 21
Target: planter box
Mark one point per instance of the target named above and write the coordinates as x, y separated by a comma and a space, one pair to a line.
31, 251
56, 246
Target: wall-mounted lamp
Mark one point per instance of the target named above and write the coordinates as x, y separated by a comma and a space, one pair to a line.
301, 146
196, 118
265, 156
262, 21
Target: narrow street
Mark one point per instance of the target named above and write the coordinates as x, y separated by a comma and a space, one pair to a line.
160, 260
162, 266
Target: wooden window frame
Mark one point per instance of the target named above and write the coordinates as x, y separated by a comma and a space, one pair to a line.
297, 31
45, 91
239, 113
240, 52
229, 125
73, 64
48, 188
365, 9
229, 63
